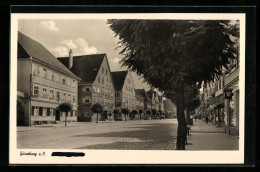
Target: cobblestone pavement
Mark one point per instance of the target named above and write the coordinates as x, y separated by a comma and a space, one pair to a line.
119, 135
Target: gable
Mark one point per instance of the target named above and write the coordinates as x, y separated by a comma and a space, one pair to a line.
86, 66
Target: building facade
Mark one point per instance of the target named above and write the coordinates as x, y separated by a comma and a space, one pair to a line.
45, 83
96, 85
124, 90
224, 111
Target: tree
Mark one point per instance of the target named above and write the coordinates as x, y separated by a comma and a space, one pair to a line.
140, 113
65, 107
154, 111
125, 111
149, 112
170, 54
191, 98
134, 112
97, 108
160, 113
115, 112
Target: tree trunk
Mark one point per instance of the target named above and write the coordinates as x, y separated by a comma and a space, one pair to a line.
66, 119
182, 126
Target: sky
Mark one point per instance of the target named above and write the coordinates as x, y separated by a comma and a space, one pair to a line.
83, 36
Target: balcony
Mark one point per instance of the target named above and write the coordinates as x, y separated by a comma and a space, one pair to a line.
231, 77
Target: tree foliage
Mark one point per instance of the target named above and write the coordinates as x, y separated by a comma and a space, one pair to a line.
125, 111
149, 112
65, 107
97, 108
140, 111
135, 112
168, 52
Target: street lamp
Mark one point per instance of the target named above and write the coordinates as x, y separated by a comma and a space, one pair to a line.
228, 93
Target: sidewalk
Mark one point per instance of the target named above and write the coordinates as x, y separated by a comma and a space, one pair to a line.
209, 137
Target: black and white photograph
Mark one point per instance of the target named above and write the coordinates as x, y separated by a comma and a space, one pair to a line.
127, 88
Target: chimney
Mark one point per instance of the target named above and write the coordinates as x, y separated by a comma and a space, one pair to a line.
70, 59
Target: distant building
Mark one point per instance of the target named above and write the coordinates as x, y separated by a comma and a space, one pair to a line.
125, 90
161, 106
139, 99
96, 85
43, 83
153, 96
169, 107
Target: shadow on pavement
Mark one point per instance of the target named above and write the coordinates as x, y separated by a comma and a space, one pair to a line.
152, 137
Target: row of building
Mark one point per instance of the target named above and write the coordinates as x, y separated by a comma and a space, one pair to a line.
220, 99
44, 82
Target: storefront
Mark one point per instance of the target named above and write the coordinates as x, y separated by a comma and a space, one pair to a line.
231, 110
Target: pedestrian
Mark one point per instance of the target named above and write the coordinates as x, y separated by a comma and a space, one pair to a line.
207, 119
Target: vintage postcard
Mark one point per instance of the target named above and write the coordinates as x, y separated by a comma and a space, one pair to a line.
162, 88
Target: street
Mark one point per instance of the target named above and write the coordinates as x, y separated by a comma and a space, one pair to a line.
130, 135
120, 135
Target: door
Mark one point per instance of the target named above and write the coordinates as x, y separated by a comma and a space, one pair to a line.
57, 115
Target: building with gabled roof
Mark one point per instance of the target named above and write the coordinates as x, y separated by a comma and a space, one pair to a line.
45, 83
125, 90
96, 84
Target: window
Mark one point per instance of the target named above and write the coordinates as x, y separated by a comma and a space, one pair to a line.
118, 103
64, 81
94, 89
87, 88
129, 81
102, 69
106, 71
45, 72
98, 90
64, 96
106, 82
57, 77
69, 97
98, 79
35, 90
73, 98
102, 90
51, 93
35, 110
58, 95
86, 100
44, 92
102, 81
